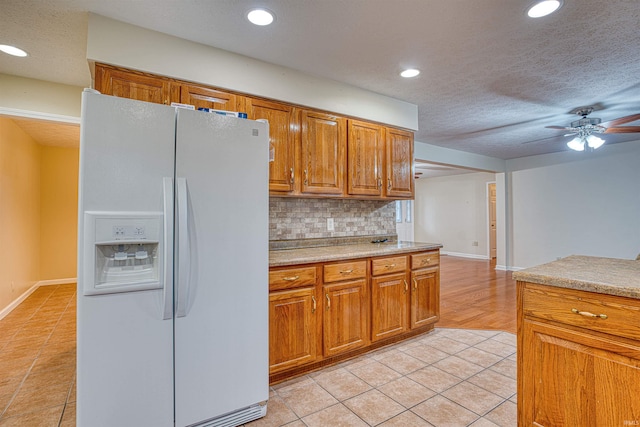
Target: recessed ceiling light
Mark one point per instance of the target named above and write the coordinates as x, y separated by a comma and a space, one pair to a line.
411, 72
543, 8
12, 50
260, 17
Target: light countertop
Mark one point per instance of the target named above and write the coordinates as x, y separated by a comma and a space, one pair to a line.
295, 256
610, 276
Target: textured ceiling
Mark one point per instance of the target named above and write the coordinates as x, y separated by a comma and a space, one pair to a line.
491, 79
50, 133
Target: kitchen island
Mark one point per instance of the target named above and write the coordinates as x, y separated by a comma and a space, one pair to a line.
330, 302
579, 342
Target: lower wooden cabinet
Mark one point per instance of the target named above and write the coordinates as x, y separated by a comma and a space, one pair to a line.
292, 328
425, 296
345, 317
572, 369
322, 313
389, 306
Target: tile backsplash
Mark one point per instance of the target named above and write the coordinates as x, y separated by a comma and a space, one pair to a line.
307, 218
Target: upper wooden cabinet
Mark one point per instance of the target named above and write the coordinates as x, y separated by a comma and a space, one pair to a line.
399, 163
203, 97
282, 119
316, 154
365, 150
126, 84
323, 141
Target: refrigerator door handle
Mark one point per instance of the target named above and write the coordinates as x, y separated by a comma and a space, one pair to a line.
183, 249
167, 291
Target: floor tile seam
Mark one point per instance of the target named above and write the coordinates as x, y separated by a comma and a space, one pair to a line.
489, 368
490, 391
38, 409
17, 390
62, 414
350, 397
502, 399
346, 407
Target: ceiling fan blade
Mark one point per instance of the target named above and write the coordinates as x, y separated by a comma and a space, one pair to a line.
621, 121
623, 129
557, 127
569, 134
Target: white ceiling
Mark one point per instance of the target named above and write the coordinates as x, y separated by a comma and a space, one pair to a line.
491, 80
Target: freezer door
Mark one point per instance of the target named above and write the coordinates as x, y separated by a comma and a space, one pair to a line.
124, 347
221, 325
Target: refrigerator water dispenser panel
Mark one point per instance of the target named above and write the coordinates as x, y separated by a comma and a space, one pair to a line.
124, 250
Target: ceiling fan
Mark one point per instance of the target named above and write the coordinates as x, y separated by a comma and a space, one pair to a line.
585, 127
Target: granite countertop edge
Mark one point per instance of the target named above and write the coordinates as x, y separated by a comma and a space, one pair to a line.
285, 257
610, 276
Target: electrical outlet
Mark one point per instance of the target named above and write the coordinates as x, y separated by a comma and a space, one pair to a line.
330, 226
474, 243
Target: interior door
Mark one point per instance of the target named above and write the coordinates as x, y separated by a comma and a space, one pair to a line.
492, 221
221, 323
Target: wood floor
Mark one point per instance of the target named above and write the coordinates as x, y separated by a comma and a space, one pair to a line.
473, 295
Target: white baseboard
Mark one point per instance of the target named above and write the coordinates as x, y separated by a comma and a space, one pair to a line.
8, 309
463, 255
505, 268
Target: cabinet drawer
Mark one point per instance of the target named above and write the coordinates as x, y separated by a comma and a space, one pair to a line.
427, 259
603, 313
389, 265
344, 271
292, 278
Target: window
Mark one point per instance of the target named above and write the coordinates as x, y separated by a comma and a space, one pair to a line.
398, 211
408, 211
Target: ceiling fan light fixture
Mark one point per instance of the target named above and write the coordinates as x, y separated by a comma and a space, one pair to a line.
543, 8
594, 142
260, 17
576, 144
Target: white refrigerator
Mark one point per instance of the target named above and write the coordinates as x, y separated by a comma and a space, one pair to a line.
172, 266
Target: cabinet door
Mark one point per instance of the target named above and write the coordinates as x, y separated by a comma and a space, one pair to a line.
202, 97
282, 138
125, 84
574, 378
345, 325
389, 305
322, 150
365, 150
399, 163
292, 328
425, 297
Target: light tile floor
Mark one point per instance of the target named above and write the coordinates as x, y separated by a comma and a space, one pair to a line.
38, 360
449, 377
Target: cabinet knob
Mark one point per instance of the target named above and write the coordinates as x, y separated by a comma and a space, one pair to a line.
406, 286
306, 177
328, 301
291, 172
389, 266
313, 310
291, 279
346, 271
388, 183
415, 284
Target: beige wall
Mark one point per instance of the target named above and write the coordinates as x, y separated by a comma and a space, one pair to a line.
117, 43
38, 212
20, 96
59, 212
19, 212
